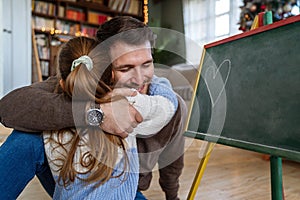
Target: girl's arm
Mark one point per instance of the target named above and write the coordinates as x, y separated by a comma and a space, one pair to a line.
156, 111
157, 108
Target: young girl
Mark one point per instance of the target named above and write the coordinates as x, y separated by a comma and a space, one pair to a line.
87, 163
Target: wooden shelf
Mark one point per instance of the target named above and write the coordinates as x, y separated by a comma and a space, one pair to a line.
60, 20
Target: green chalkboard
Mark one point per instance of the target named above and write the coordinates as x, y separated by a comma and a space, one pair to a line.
248, 93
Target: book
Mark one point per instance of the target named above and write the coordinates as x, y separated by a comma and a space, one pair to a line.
255, 23
268, 18
96, 18
261, 19
61, 11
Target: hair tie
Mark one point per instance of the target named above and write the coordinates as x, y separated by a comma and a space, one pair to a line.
83, 59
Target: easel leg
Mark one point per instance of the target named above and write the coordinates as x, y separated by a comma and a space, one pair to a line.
276, 178
200, 172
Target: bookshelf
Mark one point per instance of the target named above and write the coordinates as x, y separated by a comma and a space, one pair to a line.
56, 21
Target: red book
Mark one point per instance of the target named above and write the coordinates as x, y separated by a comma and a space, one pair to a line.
261, 19
102, 19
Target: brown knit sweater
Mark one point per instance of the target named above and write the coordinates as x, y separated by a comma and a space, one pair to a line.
37, 108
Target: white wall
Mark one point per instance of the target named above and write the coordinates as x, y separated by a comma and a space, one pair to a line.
16, 44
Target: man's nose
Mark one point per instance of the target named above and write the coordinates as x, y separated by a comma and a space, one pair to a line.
138, 76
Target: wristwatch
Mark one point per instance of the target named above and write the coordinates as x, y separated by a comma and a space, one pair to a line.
94, 115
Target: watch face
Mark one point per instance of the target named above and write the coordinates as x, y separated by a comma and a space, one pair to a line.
94, 117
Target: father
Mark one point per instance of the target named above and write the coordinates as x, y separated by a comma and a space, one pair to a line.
36, 108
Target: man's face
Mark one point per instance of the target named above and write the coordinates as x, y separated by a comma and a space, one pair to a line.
132, 65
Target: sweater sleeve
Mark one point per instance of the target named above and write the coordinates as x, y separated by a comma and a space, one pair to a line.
157, 108
37, 108
156, 111
162, 86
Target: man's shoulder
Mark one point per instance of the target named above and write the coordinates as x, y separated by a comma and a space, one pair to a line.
48, 85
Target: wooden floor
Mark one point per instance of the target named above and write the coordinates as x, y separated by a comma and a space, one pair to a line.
231, 174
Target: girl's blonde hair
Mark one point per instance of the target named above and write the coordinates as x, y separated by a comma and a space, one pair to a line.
82, 84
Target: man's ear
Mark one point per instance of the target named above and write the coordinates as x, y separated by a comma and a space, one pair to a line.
62, 84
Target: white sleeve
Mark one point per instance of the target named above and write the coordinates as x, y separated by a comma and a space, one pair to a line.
156, 111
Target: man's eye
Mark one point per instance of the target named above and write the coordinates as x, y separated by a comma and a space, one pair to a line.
147, 65
124, 69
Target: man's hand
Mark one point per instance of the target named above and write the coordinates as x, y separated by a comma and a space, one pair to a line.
120, 117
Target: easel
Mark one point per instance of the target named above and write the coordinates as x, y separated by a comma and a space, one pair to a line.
275, 167
200, 171
276, 150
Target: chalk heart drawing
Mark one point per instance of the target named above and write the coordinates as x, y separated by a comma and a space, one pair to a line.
214, 81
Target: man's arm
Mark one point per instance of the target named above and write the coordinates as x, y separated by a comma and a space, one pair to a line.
37, 108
